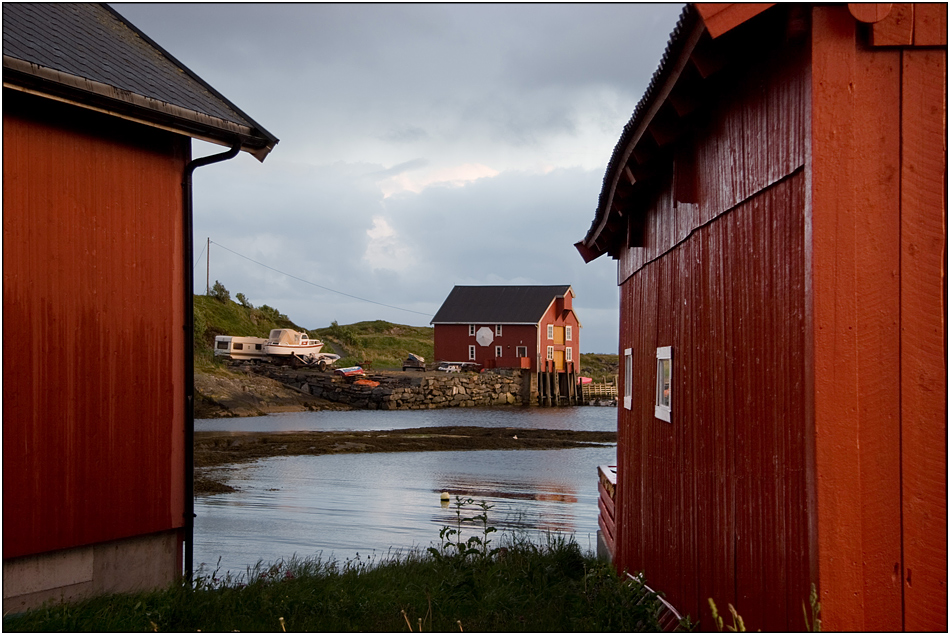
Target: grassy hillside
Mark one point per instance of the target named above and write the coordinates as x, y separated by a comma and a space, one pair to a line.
600, 367
384, 344
220, 316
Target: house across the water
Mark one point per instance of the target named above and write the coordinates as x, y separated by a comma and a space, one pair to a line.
524, 326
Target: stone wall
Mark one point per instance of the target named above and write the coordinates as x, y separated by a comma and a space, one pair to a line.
408, 390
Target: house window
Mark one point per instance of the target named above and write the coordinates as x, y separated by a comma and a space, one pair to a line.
664, 382
550, 331
628, 378
471, 352
568, 333
568, 356
521, 351
498, 330
550, 352
471, 330
498, 351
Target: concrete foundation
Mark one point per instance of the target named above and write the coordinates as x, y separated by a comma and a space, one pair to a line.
132, 564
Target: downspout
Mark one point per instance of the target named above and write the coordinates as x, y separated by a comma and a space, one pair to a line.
188, 254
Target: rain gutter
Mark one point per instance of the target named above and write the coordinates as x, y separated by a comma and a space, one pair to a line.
189, 326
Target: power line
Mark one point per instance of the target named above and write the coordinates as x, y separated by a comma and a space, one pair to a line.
315, 284
199, 256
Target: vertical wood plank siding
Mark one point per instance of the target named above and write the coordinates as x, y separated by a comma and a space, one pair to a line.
92, 327
878, 219
923, 370
713, 504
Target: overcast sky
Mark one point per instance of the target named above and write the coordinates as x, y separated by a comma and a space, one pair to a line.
421, 146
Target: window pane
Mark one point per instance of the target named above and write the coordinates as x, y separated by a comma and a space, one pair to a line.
663, 369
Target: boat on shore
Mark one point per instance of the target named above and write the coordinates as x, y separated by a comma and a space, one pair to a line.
288, 342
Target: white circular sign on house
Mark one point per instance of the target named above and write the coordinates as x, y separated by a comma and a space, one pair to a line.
484, 336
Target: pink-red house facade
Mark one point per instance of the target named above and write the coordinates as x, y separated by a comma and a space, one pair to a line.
527, 327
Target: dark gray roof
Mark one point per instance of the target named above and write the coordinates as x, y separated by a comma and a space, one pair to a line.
95, 55
687, 19
498, 304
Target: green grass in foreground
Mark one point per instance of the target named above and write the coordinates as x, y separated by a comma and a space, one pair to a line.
520, 587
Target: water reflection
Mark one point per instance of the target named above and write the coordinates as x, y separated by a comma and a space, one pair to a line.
344, 505
578, 418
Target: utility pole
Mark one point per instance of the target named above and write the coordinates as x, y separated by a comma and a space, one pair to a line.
208, 270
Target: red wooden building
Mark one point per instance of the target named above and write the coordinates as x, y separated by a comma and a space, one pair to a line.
777, 208
509, 327
97, 300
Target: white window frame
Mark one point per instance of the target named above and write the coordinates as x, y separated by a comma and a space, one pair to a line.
628, 378
498, 330
550, 331
550, 353
568, 333
471, 330
471, 352
568, 355
521, 351
498, 352
663, 411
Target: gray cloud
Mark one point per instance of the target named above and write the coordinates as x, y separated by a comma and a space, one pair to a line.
424, 97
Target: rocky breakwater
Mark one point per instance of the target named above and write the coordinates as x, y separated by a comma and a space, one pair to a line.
404, 391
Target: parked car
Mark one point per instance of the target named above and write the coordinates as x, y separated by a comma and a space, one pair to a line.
414, 362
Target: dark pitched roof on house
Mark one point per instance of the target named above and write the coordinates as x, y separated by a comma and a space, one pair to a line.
89, 55
498, 304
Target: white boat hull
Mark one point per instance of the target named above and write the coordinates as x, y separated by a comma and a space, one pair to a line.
303, 350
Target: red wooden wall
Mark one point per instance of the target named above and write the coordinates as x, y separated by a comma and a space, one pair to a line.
800, 279
714, 504
451, 343
879, 348
93, 346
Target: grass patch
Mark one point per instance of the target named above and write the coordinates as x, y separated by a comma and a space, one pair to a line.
517, 587
600, 367
384, 344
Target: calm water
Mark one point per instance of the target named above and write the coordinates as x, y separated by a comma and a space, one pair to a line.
344, 504
578, 418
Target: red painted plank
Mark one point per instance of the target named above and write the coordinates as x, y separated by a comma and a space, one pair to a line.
923, 376
930, 24
854, 267
896, 29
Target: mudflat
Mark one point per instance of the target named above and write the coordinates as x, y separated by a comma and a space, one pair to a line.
215, 449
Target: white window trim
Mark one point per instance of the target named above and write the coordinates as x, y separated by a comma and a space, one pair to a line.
663, 412
471, 352
550, 331
498, 351
498, 330
550, 353
471, 330
568, 354
519, 349
628, 378
568, 333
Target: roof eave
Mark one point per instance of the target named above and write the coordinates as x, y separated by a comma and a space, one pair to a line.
47, 82
681, 47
